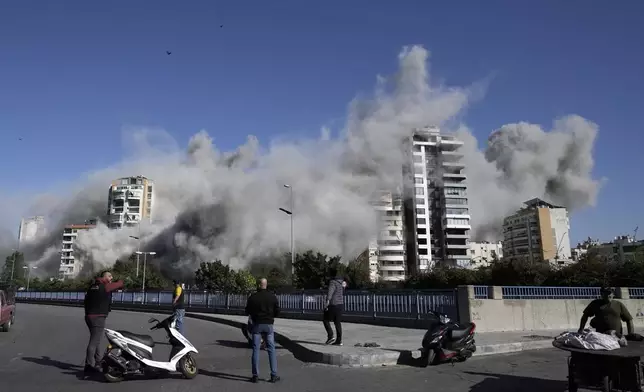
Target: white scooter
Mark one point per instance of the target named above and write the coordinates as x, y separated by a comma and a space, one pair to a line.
131, 354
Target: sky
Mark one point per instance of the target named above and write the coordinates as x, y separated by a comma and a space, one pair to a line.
75, 74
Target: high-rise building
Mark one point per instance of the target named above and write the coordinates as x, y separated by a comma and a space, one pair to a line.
387, 252
485, 253
71, 264
537, 232
130, 200
31, 229
436, 212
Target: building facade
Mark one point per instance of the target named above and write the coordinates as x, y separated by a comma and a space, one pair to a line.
71, 264
436, 213
483, 254
538, 232
31, 229
387, 259
130, 200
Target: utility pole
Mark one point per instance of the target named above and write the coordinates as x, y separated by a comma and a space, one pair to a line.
290, 213
13, 264
138, 248
144, 264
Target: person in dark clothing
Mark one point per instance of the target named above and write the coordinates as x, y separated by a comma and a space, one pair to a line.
178, 306
98, 303
607, 314
334, 308
263, 307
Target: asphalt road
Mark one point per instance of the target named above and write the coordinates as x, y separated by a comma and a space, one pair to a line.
45, 349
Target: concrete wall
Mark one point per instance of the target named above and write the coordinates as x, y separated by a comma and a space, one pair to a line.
497, 314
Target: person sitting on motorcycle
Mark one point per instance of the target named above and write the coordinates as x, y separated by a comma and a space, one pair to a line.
607, 314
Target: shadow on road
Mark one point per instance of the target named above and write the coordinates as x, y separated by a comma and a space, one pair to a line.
509, 383
224, 376
70, 369
238, 344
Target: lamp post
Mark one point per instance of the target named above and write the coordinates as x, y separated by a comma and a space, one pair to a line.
138, 248
145, 254
28, 274
290, 213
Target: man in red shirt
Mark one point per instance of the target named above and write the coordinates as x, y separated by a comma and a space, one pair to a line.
98, 301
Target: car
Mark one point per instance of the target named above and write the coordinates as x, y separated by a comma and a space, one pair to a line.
7, 311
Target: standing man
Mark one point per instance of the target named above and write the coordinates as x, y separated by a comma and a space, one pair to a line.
334, 307
98, 303
263, 307
178, 306
607, 314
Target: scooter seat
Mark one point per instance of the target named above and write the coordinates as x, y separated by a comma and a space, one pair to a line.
145, 339
461, 332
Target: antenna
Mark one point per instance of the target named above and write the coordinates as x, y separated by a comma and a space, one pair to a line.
635, 233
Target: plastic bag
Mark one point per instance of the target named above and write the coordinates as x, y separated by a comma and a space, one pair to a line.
589, 340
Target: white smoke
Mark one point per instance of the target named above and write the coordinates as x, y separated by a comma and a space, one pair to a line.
224, 205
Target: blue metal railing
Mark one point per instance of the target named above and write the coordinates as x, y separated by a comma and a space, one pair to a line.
539, 292
481, 292
405, 305
636, 292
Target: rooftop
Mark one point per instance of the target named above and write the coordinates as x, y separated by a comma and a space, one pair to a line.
536, 202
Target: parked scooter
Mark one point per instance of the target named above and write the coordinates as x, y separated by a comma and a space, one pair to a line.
447, 341
131, 354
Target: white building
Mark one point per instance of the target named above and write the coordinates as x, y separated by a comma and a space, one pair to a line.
71, 264
484, 253
387, 260
31, 229
538, 232
436, 213
130, 200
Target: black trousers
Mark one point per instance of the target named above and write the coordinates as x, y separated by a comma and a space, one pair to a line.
334, 314
96, 327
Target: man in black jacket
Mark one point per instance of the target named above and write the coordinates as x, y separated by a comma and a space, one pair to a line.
263, 307
98, 303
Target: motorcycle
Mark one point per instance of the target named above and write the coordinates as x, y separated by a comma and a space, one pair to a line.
447, 341
128, 353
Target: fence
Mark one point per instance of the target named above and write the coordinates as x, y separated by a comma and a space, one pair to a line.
403, 305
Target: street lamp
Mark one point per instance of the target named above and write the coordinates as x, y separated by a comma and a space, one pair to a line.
138, 248
145, 254
28, 274
290, 213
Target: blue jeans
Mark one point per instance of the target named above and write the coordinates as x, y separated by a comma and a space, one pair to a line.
179, 314
266, 331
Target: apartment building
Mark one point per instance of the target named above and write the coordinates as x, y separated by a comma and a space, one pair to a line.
436, 212
482, 254
130, 200
387, 261
537, 232
71, 264
31, 229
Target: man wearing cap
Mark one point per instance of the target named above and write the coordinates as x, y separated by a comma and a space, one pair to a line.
178, 306
607, 314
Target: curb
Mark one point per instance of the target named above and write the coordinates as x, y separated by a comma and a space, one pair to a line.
382, 357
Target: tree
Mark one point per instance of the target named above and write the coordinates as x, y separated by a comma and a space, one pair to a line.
215, 276
276, 269
19, 278
126, 271
312, 269
245, 282
357, 272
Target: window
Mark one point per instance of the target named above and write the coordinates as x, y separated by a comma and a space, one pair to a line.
422, 251
420, 211
457, 211
417, 148
455, 201
421, 231
419, 191
458, 221
421, 221
149, 188
420, 202
422, 241
418, 180
418, 159
455, 191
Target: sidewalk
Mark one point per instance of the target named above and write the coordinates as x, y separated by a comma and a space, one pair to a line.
397, 345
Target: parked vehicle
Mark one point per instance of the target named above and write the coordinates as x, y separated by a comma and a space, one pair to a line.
447, 341
131, 354
7, 311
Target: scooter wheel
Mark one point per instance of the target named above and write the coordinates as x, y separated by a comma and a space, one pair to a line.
429, 358
112, 374
188, 366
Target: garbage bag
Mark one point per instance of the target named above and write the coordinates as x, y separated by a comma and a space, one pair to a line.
589, 340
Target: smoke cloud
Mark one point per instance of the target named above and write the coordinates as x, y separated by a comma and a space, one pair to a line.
212, 204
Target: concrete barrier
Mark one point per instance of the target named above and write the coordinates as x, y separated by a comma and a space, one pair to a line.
498, 314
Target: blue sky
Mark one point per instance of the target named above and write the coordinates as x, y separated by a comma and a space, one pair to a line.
74, 73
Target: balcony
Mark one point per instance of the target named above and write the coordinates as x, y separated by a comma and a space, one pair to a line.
449, 164
396, 267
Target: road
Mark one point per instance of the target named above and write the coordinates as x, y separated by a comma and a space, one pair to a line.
45, 349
